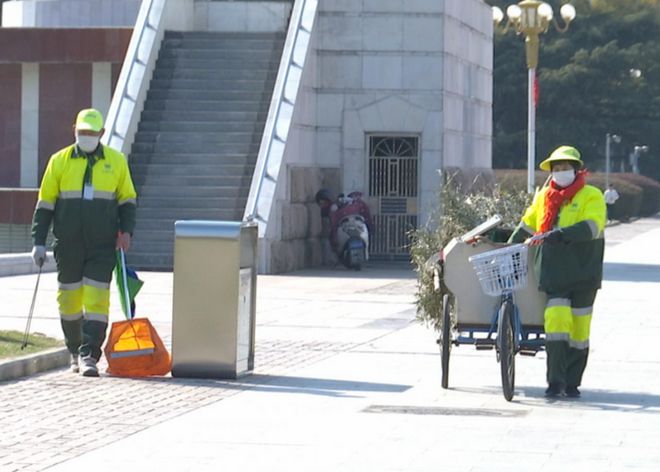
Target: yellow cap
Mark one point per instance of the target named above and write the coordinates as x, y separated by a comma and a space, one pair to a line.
89, 119
562, 153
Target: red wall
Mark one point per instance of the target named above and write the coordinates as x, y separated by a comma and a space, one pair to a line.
10, 124
64, 44
17, 206
65, 58
64, 90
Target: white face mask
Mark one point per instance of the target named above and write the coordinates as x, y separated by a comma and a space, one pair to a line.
87, 143
563, 178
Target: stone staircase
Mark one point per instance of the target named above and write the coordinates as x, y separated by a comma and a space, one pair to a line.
199, 134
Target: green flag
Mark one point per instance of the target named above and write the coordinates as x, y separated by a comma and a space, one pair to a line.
134, 285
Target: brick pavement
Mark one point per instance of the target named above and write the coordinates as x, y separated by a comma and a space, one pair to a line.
53, 417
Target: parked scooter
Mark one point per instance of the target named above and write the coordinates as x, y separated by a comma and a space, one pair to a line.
350, 225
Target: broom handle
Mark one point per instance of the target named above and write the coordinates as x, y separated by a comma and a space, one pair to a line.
129, 315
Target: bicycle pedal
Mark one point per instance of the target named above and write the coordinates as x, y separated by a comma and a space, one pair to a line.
530, 353
484, 342
484, 346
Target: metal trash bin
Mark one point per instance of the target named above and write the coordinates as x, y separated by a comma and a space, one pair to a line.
214, 306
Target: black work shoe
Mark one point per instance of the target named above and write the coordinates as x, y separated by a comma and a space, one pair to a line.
89, 368
572, 392
554, 390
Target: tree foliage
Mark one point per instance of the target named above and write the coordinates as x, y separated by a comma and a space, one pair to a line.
588, 86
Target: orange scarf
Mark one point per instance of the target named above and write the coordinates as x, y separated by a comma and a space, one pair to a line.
556, 196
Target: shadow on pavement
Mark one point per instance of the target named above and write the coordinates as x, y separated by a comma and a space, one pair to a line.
606, 400
591, 399
287, 384
623, 272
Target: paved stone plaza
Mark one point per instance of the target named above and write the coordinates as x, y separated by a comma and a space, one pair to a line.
345, 380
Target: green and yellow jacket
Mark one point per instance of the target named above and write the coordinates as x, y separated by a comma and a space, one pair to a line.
95, 219
577, 262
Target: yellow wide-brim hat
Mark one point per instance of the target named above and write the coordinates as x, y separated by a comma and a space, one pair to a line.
89, 119
562, 153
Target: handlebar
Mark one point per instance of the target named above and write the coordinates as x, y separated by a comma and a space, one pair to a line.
536, 239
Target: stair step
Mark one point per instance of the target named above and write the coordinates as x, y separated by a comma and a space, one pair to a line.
195, 167
189, 214
220, 137
202, 126
193, 158
151, 262
222, 80
208, 116
258, 93
194, 146
254, 105
154, 190
155, 235
184, 80
154, 247
230, 63
163, 224
223, 36
216, 168
222, 41
202, 180
197, 42
237, 53
167, 201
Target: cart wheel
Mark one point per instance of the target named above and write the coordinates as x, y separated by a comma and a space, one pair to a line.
445, 345
507, 348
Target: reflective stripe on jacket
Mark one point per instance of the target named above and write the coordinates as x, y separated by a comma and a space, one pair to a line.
95, 220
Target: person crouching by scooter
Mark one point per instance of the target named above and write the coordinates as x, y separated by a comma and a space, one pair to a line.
323, 199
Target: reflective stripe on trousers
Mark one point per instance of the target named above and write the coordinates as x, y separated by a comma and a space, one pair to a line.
87, 298
564, 321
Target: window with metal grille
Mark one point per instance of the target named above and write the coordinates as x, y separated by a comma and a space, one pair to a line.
393, 166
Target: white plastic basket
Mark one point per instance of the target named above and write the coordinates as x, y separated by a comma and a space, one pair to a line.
501, 269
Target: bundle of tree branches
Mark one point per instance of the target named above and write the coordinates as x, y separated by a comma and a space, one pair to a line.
457, 212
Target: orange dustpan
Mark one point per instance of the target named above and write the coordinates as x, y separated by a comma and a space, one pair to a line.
134, 348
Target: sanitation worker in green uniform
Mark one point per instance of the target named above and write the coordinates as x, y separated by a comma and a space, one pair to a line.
569, 264
88, 196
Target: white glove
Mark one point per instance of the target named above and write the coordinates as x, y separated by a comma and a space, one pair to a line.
39, 255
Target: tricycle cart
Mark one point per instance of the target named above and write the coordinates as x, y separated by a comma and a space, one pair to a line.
491, 301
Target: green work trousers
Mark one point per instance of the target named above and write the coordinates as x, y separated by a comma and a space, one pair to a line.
567, 329
84, 275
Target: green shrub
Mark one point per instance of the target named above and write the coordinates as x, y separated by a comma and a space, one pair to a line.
515, 180
650, 204
630, 195
457, 212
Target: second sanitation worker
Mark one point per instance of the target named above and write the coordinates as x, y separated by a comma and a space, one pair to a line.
88, 196
568, 263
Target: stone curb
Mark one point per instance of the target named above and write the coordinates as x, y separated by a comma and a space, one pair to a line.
21, 264
34, 363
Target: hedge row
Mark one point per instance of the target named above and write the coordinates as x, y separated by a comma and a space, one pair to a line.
638, 195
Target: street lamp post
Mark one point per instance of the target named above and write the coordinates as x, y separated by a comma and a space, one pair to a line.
608, 138
634, 157
532, 18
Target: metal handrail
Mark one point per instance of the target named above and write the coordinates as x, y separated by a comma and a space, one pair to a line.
131, 89
276, 130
